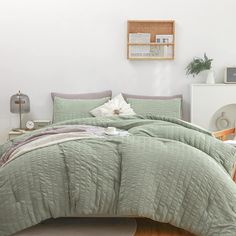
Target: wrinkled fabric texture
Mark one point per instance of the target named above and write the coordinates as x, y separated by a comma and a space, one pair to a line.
50, 135
166, 170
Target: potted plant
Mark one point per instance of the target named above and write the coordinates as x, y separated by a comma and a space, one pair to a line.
198, 65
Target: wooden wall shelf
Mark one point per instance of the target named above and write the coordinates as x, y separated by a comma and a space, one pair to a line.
144, 36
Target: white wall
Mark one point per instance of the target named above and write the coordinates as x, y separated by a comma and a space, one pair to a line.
80, 46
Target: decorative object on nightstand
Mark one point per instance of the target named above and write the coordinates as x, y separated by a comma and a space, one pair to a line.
222, 122
230, 75
20, 104
198, 65
29, 125
38, 124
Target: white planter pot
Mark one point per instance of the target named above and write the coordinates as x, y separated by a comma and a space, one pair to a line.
210, 77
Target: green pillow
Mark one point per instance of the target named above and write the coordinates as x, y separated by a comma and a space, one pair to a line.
160, 107
68, 109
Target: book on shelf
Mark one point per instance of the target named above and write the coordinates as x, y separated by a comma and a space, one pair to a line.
156, 51
139, 50
168, 51
139, 38
166, 38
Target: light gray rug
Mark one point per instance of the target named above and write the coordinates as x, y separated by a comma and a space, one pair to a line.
83, 227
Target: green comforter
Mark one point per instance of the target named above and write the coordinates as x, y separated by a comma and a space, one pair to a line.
166, 170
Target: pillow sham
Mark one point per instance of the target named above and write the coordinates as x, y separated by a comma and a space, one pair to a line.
170, 106
103, 94
67, 109
115, 107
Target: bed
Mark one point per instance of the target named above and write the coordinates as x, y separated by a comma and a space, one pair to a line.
158, 167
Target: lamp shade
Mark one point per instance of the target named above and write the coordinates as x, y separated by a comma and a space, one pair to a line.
20, 103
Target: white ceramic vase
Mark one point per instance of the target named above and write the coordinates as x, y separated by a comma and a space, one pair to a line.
210, 77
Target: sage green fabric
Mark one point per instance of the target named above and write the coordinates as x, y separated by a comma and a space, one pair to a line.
67, 109
160, 107
167, 170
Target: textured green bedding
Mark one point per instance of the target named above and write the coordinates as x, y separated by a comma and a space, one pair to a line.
166, 170
161, 107
66, 109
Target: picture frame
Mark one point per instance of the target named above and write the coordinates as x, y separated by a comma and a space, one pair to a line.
230, 75
167, 38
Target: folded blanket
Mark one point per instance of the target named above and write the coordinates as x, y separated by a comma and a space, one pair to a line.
49, 137
167, 170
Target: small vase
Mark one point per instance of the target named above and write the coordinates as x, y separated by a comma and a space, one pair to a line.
210, 77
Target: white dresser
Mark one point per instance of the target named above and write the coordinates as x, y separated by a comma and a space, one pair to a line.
209, 100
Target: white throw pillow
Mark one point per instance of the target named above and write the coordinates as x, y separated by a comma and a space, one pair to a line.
115, 107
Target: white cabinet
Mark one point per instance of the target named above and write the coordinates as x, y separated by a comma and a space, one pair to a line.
208, 99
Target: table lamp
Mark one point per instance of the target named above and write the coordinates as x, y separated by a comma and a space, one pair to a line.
20, 104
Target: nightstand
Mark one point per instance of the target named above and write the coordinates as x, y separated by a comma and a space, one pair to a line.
207, 100
13, 134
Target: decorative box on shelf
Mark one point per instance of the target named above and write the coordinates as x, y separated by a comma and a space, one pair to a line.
151, 40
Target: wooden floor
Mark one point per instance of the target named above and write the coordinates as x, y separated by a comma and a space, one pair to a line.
146, 227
